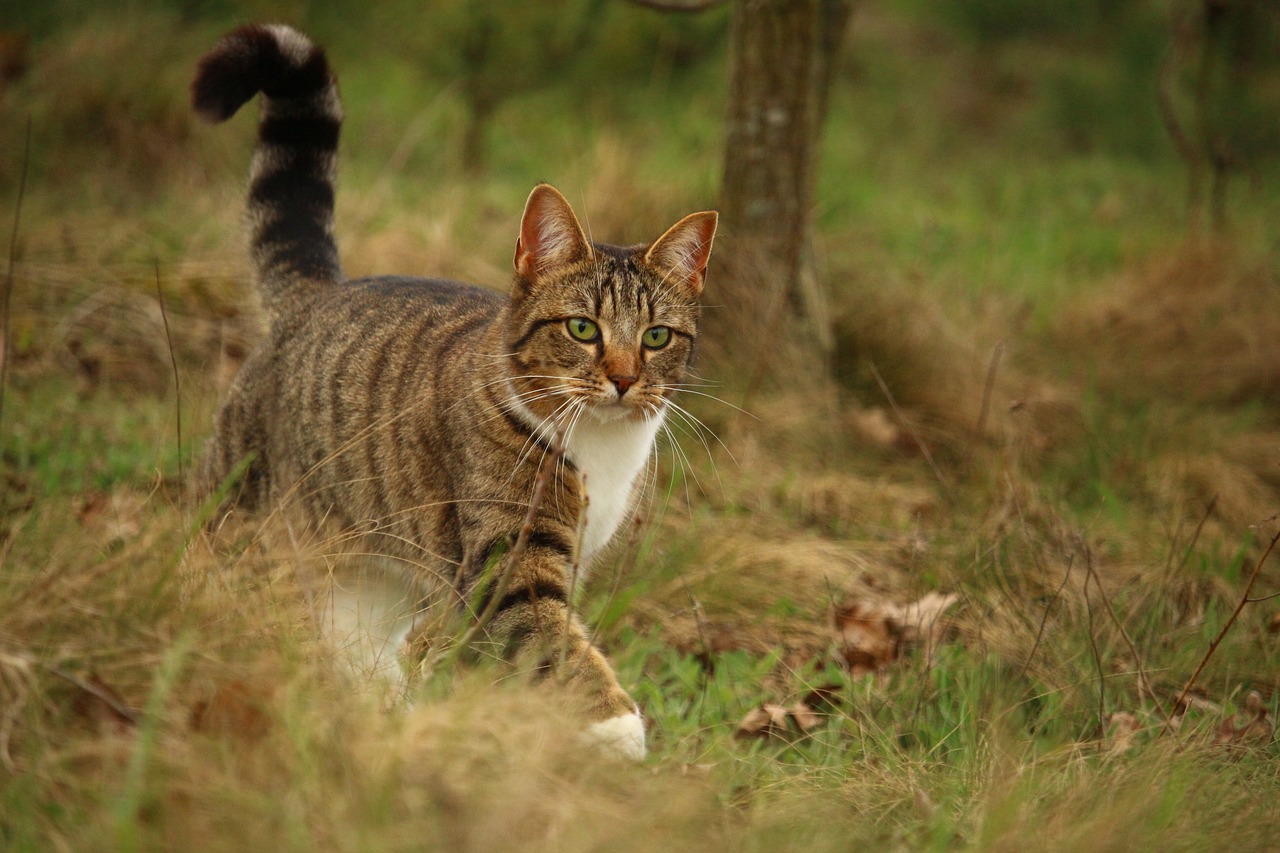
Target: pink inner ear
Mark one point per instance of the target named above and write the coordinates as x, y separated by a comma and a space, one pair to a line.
549, 233
685, 249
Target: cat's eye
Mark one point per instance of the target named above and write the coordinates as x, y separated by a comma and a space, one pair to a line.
582, 329
656, 337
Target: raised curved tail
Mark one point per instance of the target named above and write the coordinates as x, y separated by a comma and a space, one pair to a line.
291, 179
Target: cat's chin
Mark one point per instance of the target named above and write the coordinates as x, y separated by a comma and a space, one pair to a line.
616, 412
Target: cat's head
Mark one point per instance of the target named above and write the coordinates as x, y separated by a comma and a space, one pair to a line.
602, 331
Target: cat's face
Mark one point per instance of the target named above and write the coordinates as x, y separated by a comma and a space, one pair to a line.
600, 331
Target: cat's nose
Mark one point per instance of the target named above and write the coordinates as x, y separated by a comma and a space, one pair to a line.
622, 383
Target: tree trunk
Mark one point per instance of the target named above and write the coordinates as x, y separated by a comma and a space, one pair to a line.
775, 317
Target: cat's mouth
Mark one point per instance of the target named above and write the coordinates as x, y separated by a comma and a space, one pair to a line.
568, 399
634, 405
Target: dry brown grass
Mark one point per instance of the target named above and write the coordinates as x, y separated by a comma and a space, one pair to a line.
246, 729
1200, 323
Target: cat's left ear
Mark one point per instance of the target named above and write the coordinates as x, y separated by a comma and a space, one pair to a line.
682, 253
550, 235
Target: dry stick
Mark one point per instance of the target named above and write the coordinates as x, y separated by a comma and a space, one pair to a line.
1144, 682
1071, 559
127, 714
173, 361
704, 638
1097, 659
8, 279
988, 387
915, 436
1195, 537
1180, 706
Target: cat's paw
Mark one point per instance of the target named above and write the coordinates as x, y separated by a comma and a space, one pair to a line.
622, 736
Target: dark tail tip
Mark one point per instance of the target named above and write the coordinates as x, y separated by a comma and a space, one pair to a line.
274, 59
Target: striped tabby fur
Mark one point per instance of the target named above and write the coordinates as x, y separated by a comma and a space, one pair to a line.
421, 409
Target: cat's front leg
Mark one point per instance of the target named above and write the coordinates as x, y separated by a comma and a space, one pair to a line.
534, 628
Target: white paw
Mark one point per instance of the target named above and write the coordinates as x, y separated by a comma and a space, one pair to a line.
622, 736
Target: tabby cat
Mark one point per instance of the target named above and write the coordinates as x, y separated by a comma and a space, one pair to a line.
421, 409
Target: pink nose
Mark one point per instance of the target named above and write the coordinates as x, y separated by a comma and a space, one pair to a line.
622, 383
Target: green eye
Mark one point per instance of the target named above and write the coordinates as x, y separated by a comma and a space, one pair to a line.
583, 329
657, 337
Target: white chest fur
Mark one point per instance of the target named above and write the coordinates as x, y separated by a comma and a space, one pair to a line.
611, 455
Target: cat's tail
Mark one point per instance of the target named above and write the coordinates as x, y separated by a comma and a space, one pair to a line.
291, 180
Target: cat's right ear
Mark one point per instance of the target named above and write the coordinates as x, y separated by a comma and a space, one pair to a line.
550, 235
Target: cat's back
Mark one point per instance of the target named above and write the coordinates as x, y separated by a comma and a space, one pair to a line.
355, 379
360, 319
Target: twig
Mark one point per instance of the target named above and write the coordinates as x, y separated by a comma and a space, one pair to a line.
1180, 706
8, 279
1144, 683
915, 436
1071, 558
989, 386
1097, 660
173, 361
125, 713
1195, 537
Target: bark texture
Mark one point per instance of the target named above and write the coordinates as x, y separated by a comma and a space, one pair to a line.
775, 307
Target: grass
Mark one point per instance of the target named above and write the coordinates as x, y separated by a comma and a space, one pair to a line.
1098, 500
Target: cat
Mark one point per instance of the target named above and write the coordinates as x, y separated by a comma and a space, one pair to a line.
438, 415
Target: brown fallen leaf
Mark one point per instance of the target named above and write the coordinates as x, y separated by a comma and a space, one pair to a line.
1274, 626
875, 425
1257, 732
118, 515
921, 621
235, 709
825, 698
805, 718
1121, 729
874, 634
869, 637
763, 721
771, 720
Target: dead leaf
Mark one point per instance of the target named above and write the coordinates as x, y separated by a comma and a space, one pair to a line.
91, 506
770, 720
875, 425
868, 636
1274, 626
806, 719
825, 698
118, 515
873, 634
921, 621
762, 721
1121, 729
1257, 732
235, 709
